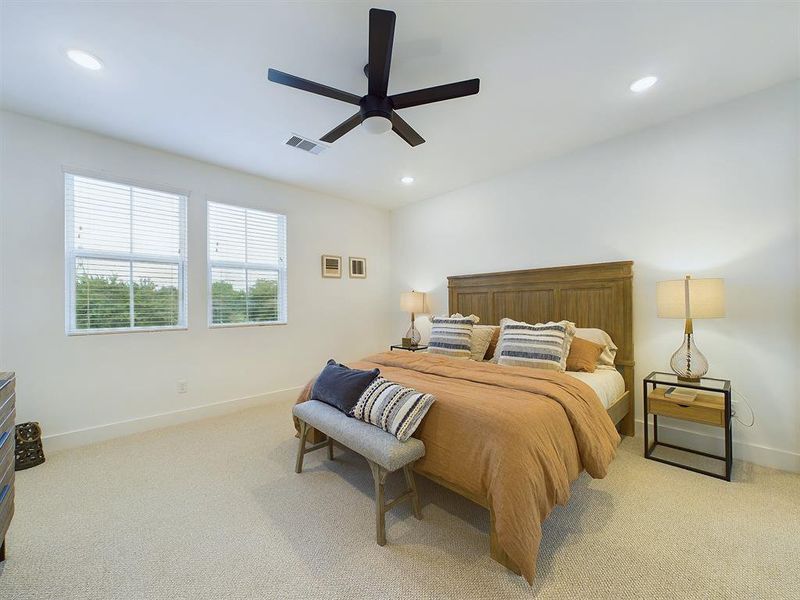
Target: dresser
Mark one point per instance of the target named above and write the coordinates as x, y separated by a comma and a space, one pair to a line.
7, 414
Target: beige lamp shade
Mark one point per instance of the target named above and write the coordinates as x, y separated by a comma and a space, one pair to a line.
691, 298
412, 302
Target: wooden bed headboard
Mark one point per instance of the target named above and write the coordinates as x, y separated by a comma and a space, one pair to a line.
596, 295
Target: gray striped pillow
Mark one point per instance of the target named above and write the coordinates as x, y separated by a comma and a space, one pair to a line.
541, 346
396, 409
452, 336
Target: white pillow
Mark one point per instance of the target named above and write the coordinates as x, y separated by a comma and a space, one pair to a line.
598, 336
481, 338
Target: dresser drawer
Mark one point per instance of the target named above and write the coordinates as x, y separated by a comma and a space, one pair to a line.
7, 438
7, 442
7, 430
7, 405
6, 393
7, 486
6, 508
6, 511
706, 408
7, 457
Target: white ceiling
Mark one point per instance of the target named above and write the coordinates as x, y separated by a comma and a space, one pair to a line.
191, 79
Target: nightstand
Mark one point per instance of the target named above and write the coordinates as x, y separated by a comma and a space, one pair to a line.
409, 348
712, 407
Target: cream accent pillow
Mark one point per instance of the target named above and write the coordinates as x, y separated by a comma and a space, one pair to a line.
598, 336
492, 343
480, 338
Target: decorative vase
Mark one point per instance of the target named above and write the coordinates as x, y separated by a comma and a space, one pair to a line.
413, 334
688, 362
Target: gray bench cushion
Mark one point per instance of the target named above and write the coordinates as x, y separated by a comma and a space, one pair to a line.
367, 440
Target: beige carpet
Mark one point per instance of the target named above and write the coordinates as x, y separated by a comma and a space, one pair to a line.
213, 509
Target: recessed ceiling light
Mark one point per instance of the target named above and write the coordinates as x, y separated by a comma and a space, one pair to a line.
645, 83
407, 180
84, 59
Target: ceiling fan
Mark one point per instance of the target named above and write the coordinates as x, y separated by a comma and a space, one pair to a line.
377, 111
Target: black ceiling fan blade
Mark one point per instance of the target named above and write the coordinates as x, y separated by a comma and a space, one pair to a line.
338, 131
405, 131
311, 86
381, 39
436, 94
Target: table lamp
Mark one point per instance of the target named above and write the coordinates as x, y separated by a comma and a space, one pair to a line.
412, 302
690, 299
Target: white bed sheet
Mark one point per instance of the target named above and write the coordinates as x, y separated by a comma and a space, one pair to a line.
605, 381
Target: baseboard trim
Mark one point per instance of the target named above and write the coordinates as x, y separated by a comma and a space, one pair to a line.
754, 453
705, 442
100, 433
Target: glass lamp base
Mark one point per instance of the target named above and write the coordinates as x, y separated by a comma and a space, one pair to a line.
414, 335
688, 363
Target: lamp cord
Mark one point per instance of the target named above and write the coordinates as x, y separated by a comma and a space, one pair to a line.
750, 408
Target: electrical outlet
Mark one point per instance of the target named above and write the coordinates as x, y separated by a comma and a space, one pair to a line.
183, 387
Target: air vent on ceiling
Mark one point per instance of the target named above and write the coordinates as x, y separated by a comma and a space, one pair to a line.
301, 143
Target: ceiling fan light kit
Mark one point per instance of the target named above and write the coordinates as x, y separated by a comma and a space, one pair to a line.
377, 124
377, 111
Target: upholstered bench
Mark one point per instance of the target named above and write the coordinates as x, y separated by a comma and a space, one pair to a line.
384, 452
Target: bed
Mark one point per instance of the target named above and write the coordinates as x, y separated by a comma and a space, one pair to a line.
593, 295
512, 439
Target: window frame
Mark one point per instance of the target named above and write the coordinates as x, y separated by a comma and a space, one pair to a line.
72, 254
283, 291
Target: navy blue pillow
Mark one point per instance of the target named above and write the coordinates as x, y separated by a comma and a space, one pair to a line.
341, 386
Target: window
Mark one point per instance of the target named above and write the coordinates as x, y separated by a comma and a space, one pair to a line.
247, 266
125, 257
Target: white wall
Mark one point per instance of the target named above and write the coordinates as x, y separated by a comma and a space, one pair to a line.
73, 383
714, 193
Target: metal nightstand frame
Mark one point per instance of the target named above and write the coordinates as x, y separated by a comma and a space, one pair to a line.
653, 380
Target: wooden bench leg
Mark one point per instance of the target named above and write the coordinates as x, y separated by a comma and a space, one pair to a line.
301, 449
379, 475
412, 486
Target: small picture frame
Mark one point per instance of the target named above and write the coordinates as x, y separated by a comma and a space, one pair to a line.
331, 266
358, 267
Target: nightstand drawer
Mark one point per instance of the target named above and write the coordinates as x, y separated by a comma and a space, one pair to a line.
705, 409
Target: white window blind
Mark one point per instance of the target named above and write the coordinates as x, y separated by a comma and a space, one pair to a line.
247, 266
125, 257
